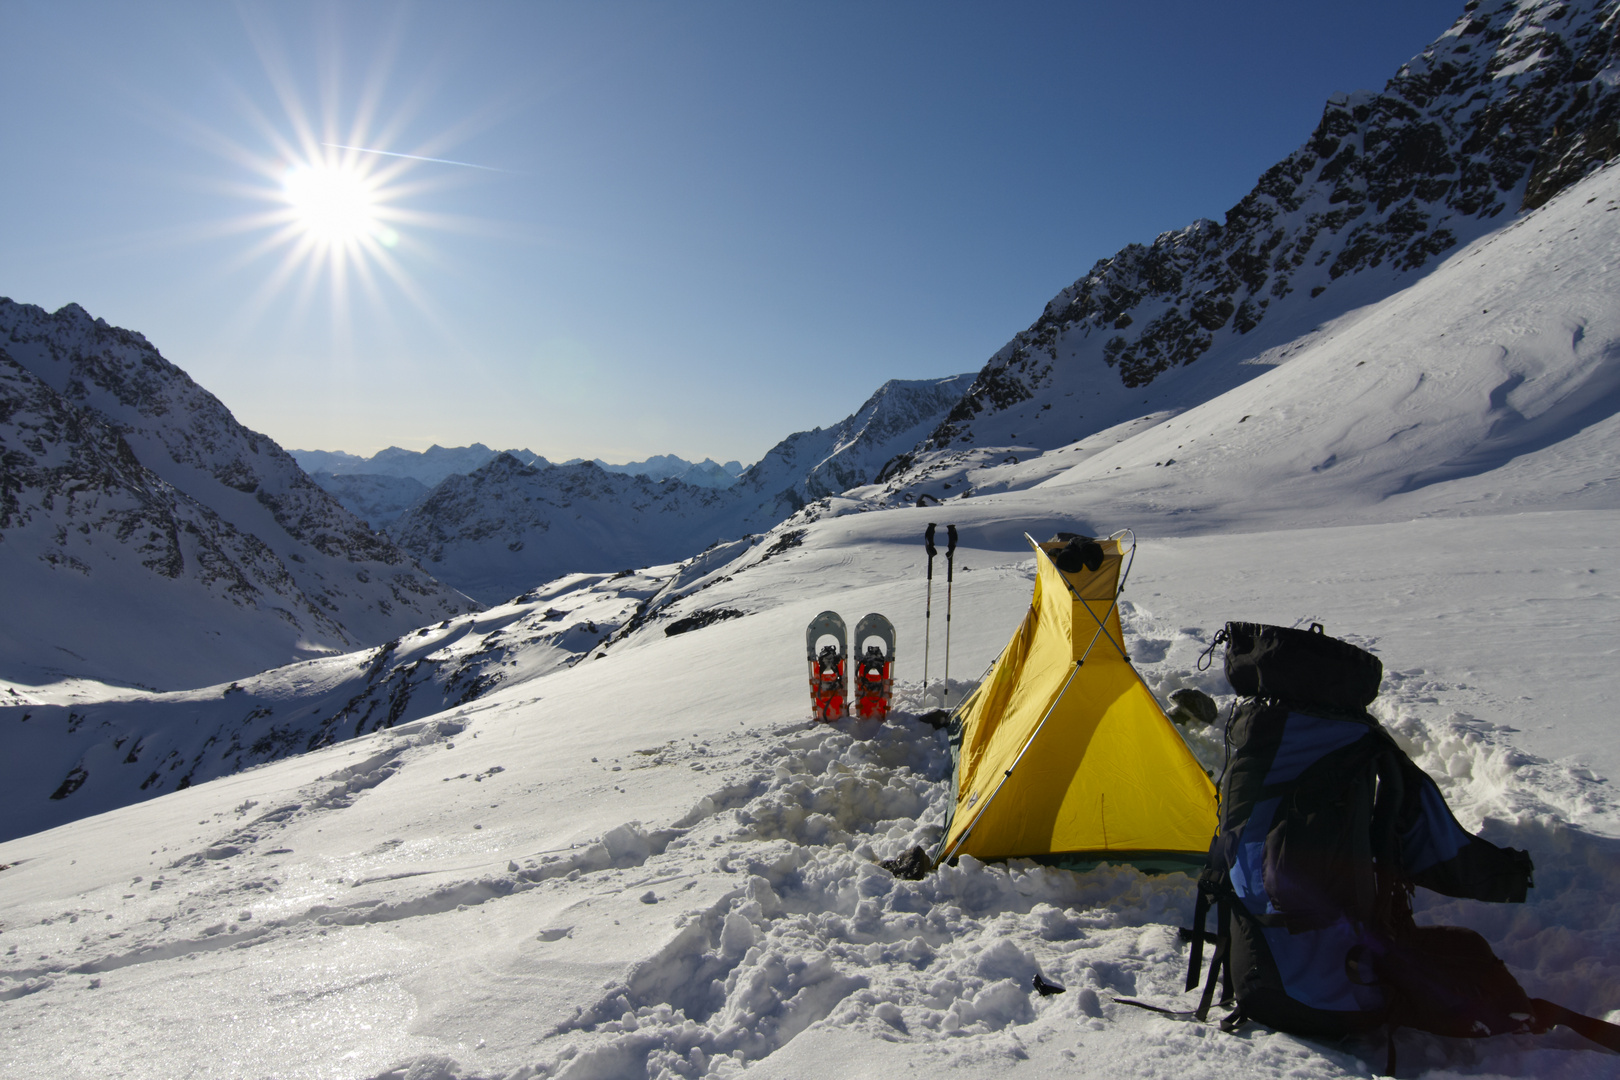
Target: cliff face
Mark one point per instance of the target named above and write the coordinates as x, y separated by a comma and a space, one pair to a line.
126, 490
1512, 104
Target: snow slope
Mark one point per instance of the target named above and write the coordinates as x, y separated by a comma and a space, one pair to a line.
132, 498
75, 749
649, 864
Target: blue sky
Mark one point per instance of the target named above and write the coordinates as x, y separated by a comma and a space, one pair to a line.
694, 228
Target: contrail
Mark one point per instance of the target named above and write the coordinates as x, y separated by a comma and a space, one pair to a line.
411, 157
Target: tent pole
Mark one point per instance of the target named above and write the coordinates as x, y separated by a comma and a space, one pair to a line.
928, 608
1102, 624
950, 568
1004, 776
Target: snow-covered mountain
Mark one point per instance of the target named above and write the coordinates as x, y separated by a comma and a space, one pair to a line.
375, 499
705, 473
509, 526
812, 464
133, 500
710, 473
380, 488
649, 863
427, 467
1509, 106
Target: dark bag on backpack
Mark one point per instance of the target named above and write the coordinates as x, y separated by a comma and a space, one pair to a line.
1326, 827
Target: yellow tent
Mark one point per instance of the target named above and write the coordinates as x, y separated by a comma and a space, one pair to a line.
1062, 754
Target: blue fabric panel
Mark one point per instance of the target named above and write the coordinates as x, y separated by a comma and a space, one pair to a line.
1311, 965
1307, 738
1247, 873
1434, 835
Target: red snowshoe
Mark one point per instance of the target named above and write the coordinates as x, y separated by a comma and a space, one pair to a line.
874, 667
827, 678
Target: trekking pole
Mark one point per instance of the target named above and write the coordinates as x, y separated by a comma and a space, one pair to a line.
928, 610
950, 568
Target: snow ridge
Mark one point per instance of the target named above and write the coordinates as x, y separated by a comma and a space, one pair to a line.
68, 759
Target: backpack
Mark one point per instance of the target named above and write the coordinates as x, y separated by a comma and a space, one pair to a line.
1326, 827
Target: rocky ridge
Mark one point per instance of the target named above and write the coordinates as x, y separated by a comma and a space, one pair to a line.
1512, 104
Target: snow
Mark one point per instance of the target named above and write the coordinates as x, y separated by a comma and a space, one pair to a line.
651, 864
635, 856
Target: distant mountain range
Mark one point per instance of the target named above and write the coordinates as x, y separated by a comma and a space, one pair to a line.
706, 473
509, 526
427, 467
380, 488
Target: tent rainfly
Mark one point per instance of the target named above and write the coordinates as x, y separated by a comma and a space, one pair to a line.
1062, 754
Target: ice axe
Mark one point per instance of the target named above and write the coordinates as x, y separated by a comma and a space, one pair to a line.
928, 610
950, 568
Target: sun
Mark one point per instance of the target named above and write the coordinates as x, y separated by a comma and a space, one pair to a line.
332, 204
335, 205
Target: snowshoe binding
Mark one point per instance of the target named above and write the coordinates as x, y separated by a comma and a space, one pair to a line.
828, 683
874, 667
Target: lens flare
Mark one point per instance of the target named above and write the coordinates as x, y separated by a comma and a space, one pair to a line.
332, 204
340, 206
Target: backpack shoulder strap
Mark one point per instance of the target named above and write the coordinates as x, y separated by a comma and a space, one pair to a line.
1214, 891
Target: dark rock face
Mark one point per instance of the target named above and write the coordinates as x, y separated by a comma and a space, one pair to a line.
1507, 108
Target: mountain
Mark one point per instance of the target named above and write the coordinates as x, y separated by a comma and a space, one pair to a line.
813, 464
508, 526
428, 467
635, 856
380, 488
375, 499
1512, 104
132, 499
706, 473
710, 473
